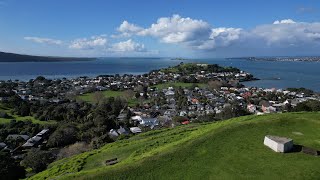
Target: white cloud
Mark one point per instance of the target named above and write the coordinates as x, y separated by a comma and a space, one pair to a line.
89, 43
127, 29
193, 33
177, 29
198, 34
220, 37
44, 40
288, 32
284, 21
127, 46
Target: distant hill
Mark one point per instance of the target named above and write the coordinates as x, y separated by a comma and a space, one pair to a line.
231, 149
11, 57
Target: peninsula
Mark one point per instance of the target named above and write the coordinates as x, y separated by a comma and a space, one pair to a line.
12, 57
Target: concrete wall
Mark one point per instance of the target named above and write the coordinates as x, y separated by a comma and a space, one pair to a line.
276, 146
271, 144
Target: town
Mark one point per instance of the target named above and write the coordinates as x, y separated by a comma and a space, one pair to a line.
91, 112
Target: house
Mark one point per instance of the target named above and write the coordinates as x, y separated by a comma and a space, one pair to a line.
2, 145
122, 130
135, 130
16, 136
251, 108
32, 142
37, 139
149, 122
43, 133
113, 133
185, 122
169, 93
278, 144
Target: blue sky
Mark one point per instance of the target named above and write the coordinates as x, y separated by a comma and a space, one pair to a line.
184, 28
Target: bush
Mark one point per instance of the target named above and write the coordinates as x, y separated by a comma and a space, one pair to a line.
9, 168
4, 115
310, 105
76, 148
100, 141
64, 135
37, 160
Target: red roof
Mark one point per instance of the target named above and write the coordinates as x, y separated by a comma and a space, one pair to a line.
185, 122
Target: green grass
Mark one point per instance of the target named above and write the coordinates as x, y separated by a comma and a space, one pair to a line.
89, 97
231, 149
20, 118
179, 84
25, 118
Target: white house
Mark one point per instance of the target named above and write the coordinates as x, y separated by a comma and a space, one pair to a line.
278, 144
135, 130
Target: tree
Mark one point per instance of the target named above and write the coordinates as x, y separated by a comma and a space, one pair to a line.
100, 141
310, 105
128, 94
215, 85
98, 96
37, 160
10, 168
64, 135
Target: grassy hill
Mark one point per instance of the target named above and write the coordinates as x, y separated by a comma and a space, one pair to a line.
231, 149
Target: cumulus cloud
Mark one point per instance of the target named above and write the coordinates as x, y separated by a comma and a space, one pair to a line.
194, 33
284, 21
127, 29
200, 35
177, 29
127, 46
89, 43
286, 32
44, 40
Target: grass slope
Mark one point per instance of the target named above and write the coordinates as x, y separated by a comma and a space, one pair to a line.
20, 118
231, 149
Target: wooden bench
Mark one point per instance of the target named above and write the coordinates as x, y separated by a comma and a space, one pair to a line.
113, 161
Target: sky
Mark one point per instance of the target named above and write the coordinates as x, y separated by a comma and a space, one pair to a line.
166, 28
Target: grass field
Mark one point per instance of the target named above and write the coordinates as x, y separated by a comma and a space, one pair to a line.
20, 118
231, 149
89, 97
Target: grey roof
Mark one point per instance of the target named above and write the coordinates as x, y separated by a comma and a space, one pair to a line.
32, 141
278, 139
2, 145
15, 136
122, 130
44, 131
150, 121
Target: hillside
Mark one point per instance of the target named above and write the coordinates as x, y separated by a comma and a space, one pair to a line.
227, 149
11, 57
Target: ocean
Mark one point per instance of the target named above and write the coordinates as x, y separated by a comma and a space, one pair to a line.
272, 74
